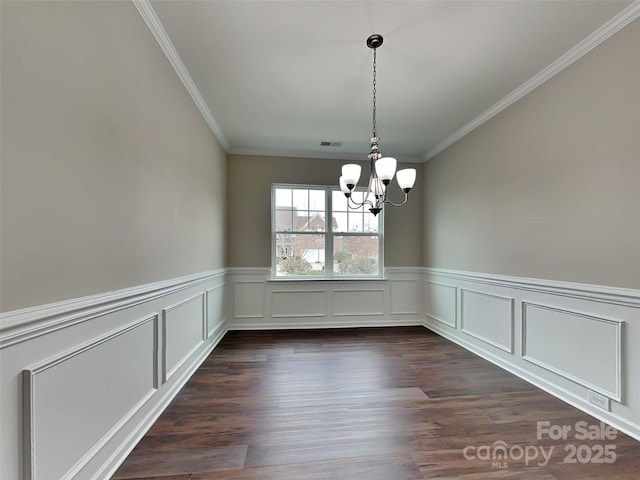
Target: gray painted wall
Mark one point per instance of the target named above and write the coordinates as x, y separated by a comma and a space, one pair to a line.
249, 207
550, 187
110, 176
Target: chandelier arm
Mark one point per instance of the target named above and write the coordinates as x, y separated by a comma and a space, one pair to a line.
389, 202
353, 204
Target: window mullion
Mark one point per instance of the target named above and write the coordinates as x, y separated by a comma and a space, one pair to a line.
283, 245
328, 234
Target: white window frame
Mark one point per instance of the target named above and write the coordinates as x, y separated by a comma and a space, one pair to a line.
328, 237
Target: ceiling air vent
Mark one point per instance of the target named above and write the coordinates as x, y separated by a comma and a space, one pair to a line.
330, 144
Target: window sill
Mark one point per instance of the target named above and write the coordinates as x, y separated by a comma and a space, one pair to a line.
328, 279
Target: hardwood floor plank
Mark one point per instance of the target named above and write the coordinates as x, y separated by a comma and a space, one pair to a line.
373, 468
165, 477
146, 463
373, 403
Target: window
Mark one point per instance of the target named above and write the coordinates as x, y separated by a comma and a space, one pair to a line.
314, 233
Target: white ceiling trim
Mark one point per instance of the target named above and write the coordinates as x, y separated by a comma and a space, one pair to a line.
153, 22
618, 22
319, 155
148, 14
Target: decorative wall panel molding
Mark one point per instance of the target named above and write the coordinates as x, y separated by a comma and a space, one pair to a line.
28, 323
62, 395
404, 297
248, 299
216, 312
441, 302
184, 328
487, 317
82, 379
298, 303
583, 348
358, 302
593, 293
566, 338
259, 302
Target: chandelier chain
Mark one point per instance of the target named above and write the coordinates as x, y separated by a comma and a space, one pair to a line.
383, 169
375, 128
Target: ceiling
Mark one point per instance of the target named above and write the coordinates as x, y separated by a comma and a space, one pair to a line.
279, 77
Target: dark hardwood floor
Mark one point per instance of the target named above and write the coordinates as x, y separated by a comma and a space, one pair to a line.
387, 404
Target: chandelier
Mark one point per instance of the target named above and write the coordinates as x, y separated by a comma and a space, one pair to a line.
382, 168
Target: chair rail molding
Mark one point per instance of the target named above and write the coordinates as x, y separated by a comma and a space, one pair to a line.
24, 324
57, 354
84, 379
567, 338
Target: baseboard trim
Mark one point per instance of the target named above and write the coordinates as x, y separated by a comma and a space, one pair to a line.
125, 448
621, 424
405, 302
321, 324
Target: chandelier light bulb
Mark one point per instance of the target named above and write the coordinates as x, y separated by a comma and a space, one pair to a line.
386, 169
344, 188
351, 175
378, 189
406, 179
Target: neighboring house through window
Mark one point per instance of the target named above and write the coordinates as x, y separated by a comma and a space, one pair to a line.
304, 244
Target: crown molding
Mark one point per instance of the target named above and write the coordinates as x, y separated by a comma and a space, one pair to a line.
614, 25
153, 22
625, 17
319, 155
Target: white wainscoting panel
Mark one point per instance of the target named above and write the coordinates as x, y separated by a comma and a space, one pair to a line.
215, 308
441, 302
583, 348
404, 297
82, 379
298, 303
358, 302
260, 302
487, 317
184, 330
78, 398
563, 337
248, 299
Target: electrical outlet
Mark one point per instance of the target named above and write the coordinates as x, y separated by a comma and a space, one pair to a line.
598, 400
